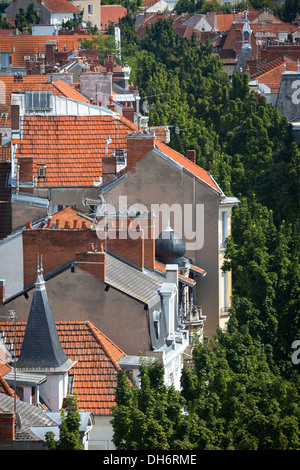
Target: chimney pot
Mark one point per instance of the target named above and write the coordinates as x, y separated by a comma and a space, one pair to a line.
2, 291
191, 155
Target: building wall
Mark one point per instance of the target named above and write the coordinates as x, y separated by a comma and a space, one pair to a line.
155, 181
79, 296
22, 213
11, 264
14, 8
100, 437
92, 18
58, 18
67, 196
288, 102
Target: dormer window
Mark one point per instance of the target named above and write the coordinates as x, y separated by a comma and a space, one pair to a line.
42, 171
156, 322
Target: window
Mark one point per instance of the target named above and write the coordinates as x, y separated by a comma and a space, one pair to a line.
42, 172
6, 59
90, 9
223, 293
223, 227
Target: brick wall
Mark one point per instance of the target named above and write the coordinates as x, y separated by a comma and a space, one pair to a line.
7, 427
127, 244
26, 169
134, 242
58, 246
128, 111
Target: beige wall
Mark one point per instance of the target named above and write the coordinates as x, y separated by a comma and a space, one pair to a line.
94, 17
156, 181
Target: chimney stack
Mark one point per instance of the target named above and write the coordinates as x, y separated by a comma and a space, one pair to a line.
191, 155
93, 261
2, 291
7, 427
138, 144
128, 111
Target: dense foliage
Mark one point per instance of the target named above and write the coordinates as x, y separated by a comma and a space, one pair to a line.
69, 434
25, 20
243, 390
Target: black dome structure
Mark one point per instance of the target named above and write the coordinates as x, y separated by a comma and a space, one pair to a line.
169, 247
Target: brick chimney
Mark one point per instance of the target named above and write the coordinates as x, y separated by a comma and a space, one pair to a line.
93, 261
7, 427
2, 291
50, 49
191, 155
111, 105
15, 116
138, 144
128, 111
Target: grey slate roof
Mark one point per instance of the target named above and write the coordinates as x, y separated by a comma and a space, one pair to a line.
29, 415
139, 284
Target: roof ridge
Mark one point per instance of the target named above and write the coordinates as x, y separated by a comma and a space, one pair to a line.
196, 167
98, 335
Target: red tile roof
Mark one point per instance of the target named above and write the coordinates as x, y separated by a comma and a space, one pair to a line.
70, 92
29, 83
196, 170
28, 46
224, 21
5, 388
60, 6
111, 13
72, 147
69, 214
271, 74
95, 373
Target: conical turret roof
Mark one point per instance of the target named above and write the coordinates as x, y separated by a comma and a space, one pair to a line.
41, 348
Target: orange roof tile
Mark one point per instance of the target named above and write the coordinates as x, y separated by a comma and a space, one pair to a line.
61, 6
111, 13
69, 214
5, 388
28, 46
71, 147
29, 83
69, 91
271, 76
95, 373
196, 170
